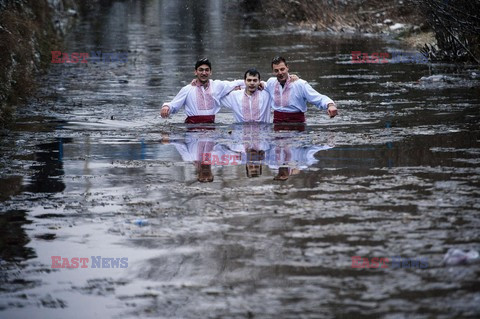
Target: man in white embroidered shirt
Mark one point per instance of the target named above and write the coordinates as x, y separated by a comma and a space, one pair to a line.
251, 104
290, 98
202, 98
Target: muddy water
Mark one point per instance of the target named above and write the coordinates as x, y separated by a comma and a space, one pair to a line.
91, 171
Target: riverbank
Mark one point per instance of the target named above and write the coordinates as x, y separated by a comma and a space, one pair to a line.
372, 16
29, 29
400, 19
443, 31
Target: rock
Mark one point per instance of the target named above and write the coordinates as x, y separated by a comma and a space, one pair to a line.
72, 12
387, 22
348, 29
438, 78
397, 27
459, 257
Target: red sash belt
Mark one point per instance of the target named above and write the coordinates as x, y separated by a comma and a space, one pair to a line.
284, 117
200, 119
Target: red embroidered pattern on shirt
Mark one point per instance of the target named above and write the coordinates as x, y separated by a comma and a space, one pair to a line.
204, 101
251, 113
282, 99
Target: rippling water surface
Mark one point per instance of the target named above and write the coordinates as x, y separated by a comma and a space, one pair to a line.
90, 169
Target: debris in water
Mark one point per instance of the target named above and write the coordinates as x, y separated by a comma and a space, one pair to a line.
459, 257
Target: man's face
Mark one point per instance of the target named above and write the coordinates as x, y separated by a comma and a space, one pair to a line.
203, 73
254, 170
280, 71
252, 83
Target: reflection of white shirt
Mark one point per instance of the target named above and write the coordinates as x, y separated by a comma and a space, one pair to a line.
300, 93
248, 108
298, 157
193, 149
249, 136
188, 97
205, 150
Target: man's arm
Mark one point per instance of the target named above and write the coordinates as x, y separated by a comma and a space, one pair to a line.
319, 100
228, 101
177, 102
270, 85
225, 87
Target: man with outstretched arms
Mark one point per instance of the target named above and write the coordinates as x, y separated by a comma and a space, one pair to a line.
290, 98
201, 98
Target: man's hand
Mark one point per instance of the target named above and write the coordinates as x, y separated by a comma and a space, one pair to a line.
332, 110
294, 77
262, 85
165, 112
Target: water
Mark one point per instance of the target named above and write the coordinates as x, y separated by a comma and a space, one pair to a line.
90, 169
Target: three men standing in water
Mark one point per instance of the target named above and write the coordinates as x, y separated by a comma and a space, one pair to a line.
202, 98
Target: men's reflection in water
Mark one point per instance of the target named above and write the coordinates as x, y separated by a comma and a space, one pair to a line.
254, 159
252, 145
201, 149
250, 141
204, 172
193, 149
283, 174
282, 156
290, 158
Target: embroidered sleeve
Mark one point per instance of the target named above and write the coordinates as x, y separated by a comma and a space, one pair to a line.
225, 87
179, 100
228, 101
319, 100
270, 86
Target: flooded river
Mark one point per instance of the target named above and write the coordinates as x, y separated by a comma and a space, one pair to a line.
90, 170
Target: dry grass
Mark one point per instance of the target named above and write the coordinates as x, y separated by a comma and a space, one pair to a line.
418, 40
338, 15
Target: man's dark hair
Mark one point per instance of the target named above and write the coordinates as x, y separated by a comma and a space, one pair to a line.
278, 60
252, 72
203, 61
